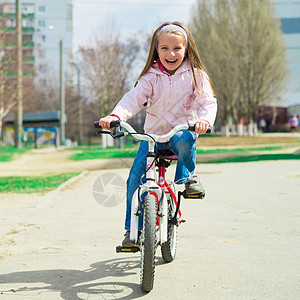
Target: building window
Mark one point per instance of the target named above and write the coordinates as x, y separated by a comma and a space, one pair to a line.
41, 9
43, 68
42, 53
27, 23
9, 38
27, 38
290, 25
10, 23
42, 23
9, 8
42, 82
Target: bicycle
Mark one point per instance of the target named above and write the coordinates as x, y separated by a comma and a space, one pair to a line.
160, 208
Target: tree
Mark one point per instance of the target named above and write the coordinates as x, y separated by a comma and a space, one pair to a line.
8, 80
106, 66
242, 47
7, 92
46, 98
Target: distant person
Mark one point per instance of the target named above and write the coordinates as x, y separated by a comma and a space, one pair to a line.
25, 138
263, 125
294, 122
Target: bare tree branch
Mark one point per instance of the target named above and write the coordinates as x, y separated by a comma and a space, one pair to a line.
106, 65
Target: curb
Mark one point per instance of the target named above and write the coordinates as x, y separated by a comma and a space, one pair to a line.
51, 194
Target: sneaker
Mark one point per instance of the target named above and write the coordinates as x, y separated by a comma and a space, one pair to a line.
194, 186
127, 242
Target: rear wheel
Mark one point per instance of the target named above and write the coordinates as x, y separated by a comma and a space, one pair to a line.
168, 249
147, 243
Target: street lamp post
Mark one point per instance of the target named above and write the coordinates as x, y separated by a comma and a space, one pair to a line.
19, 75
80, 121
62, 117
62, 94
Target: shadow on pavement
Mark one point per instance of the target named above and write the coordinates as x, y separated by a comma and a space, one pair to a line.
76, 284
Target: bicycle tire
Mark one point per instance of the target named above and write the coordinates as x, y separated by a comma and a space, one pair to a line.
168, 249
148, 244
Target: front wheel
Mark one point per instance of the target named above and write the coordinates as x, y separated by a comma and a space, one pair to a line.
168, 249
147, 243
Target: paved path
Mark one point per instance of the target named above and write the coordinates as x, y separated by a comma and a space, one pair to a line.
49, 161
241, 242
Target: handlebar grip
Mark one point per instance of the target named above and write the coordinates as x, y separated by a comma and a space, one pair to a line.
113, 124
192, 128
96, 124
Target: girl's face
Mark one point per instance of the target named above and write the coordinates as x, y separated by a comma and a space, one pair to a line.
171, 51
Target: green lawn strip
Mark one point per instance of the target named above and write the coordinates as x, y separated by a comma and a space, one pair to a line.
104, 154
251, 158
7, 153
236, 150
4, 157
97, 153
33, 184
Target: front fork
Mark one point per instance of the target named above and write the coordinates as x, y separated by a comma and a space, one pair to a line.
149, 187
136, 210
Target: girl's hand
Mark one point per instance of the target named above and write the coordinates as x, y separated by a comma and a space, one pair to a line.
105, 122
201, 127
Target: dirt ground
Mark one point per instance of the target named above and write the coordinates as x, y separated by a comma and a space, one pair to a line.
241, 242
50, 161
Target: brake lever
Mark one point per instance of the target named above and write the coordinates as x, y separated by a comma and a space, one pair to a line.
116, 133
104, 132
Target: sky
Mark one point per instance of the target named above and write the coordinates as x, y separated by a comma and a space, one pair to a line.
129, 17
126, 16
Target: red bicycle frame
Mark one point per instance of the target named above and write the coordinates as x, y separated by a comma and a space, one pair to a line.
167, 189
163, 183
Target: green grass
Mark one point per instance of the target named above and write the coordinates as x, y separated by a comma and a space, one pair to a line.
97, 153
104, 154
30, 184
237, 150
251, 158
8, 153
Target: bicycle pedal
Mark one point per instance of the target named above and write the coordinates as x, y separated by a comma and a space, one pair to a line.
193, 196
127, 249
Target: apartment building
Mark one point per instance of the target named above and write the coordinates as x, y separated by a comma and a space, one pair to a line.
8, 39
53, 23
44, 24
289, 13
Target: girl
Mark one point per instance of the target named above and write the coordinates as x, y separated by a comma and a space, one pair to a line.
179, 91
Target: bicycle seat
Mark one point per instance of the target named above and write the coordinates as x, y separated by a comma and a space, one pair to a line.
168, 154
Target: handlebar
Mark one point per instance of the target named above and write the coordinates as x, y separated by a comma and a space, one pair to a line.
192, 128
117, 125
113, 124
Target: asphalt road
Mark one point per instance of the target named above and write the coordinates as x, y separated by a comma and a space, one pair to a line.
241, 242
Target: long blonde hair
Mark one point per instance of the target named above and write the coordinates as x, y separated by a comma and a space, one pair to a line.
192, 53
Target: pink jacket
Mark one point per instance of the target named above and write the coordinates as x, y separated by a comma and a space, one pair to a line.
174, 100
294, 121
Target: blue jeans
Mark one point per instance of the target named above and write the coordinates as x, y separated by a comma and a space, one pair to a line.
183, 144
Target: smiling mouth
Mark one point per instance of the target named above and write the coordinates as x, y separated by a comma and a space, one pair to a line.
171, 61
